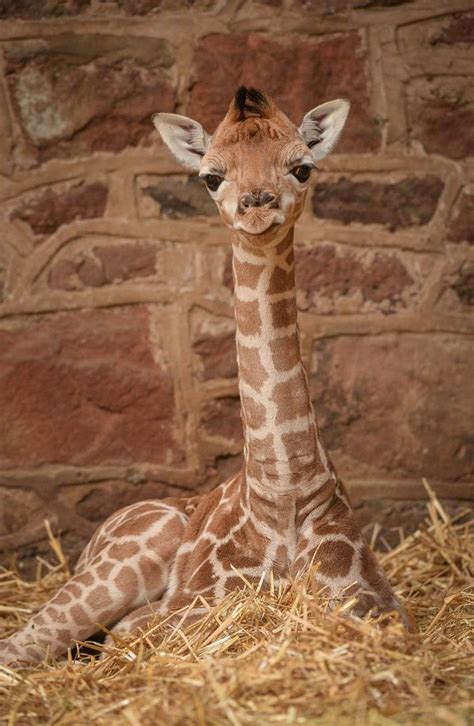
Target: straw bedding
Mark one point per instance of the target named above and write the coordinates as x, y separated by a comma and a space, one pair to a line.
272, 657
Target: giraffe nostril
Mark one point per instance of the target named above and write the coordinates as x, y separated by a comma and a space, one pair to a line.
247, 200
267, 198
258, 199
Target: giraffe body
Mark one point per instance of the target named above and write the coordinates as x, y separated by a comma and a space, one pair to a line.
286, 507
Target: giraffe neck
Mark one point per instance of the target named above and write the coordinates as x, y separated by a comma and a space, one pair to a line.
282, 447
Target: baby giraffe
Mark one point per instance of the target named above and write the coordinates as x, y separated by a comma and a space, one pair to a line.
286, 507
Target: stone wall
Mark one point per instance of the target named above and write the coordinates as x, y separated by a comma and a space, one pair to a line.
117, 359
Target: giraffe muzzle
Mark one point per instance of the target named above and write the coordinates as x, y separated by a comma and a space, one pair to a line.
258, 198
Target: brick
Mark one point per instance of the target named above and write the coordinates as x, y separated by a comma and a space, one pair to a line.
102, 500
83, 388
19, 507
461, 223
337, 62
337, 6
103, 265
63, 275
438, 33
455, 289
89, 271
393, 518
3, 274
118, 83
26, 10
396, 404
438, 90
172, 199
461, 283
127, 261
441, 114
227, 276
381, 3
406, 203
144, 7
458, 29
221, 418
214, 266
332, 279
48, 209
216, 353
226, 466
213, 342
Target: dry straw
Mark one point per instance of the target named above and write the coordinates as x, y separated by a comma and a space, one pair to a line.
272, 657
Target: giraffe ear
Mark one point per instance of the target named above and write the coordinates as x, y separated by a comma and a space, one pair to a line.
185, 138
322, 126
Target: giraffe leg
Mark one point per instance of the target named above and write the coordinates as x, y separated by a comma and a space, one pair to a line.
127, 564
346, 566
141, 618
134, 622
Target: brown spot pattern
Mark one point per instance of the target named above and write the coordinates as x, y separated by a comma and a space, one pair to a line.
283, 313
151, 572
137, 525
263, 449
127, 581
285, 352
99, 598
335, 558
64, 635
122, 551
251, 368
291, 397
254, 411
247, 274
281, 281
248, 317
203, 577
299, 443
74, 589
79, 615
85, 578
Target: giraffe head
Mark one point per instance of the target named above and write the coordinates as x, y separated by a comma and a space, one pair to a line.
257, 164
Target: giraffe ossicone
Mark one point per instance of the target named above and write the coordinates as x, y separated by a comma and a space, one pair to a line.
286, 508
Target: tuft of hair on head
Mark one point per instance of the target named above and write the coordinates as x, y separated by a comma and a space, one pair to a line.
249, 102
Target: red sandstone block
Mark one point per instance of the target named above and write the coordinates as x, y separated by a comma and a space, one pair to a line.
333, 279
396, 404
221, 418
298, 74
117, 84
213, 342
441, 115
437, 63
83, 388
46, 209
104, 265
397, 205
461, 223
158, 196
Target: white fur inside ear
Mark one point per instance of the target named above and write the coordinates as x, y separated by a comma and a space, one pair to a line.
322, 126
185, 138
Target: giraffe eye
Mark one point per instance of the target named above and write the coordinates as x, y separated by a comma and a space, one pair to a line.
212, 181
302, 172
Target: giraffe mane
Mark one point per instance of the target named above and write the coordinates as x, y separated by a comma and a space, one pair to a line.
252, 114
249, 102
